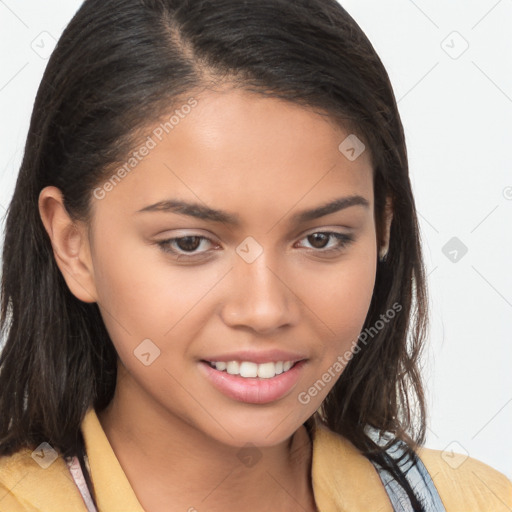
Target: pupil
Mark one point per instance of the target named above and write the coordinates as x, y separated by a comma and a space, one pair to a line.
184, 244
318, 237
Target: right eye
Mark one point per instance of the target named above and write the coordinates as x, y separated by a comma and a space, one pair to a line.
184, 245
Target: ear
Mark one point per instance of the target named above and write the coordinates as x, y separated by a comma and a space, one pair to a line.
70, 244
384, 242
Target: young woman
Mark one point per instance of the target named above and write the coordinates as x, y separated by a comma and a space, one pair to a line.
213, 295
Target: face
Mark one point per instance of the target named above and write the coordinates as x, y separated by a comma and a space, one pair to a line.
259, 282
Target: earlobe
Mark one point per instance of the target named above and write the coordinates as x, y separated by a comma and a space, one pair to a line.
70, 244
384, 243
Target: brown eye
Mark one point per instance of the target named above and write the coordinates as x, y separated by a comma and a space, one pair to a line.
188, 243
184, 246
319, 240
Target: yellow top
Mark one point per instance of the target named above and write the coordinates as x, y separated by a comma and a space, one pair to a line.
343, 479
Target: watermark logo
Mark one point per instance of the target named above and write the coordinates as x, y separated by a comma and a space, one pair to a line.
249, 249
43, 45
454, 454
352, 147
454, 45
249, 455
146, 352
44, 455
454, 249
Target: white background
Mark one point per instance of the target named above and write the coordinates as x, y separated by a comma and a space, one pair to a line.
457, 113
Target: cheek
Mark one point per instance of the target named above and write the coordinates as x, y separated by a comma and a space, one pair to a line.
134, 302
143, 296
340, 300
342, 304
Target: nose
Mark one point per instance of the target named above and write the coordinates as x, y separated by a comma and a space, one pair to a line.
259, 297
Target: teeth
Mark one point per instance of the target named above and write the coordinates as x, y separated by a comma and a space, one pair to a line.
233, 368
221, 365
250, 369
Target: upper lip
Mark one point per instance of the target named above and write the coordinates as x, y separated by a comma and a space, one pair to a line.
259, 356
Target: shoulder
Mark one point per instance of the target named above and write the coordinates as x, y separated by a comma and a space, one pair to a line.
342, 477
465, 483
46, 485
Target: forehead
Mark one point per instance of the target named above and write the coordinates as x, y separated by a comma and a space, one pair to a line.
240, 151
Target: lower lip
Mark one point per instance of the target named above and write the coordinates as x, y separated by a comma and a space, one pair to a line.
253, 390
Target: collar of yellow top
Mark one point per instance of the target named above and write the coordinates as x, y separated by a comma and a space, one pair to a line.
342, 478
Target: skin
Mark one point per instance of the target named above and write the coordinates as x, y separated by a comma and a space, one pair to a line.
263, 159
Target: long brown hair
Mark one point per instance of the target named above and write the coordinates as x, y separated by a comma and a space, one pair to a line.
117, 67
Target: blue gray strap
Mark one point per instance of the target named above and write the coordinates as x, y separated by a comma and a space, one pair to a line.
416, 474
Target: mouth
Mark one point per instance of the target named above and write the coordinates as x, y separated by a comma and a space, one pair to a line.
246, 381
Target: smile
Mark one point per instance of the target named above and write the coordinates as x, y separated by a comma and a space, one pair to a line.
241, 381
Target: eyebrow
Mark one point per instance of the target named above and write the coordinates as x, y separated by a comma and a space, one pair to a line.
200, 211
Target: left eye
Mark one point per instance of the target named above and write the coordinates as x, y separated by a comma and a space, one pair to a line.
319, 237
187, 246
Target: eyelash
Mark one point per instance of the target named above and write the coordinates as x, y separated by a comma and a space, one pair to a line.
343, 239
